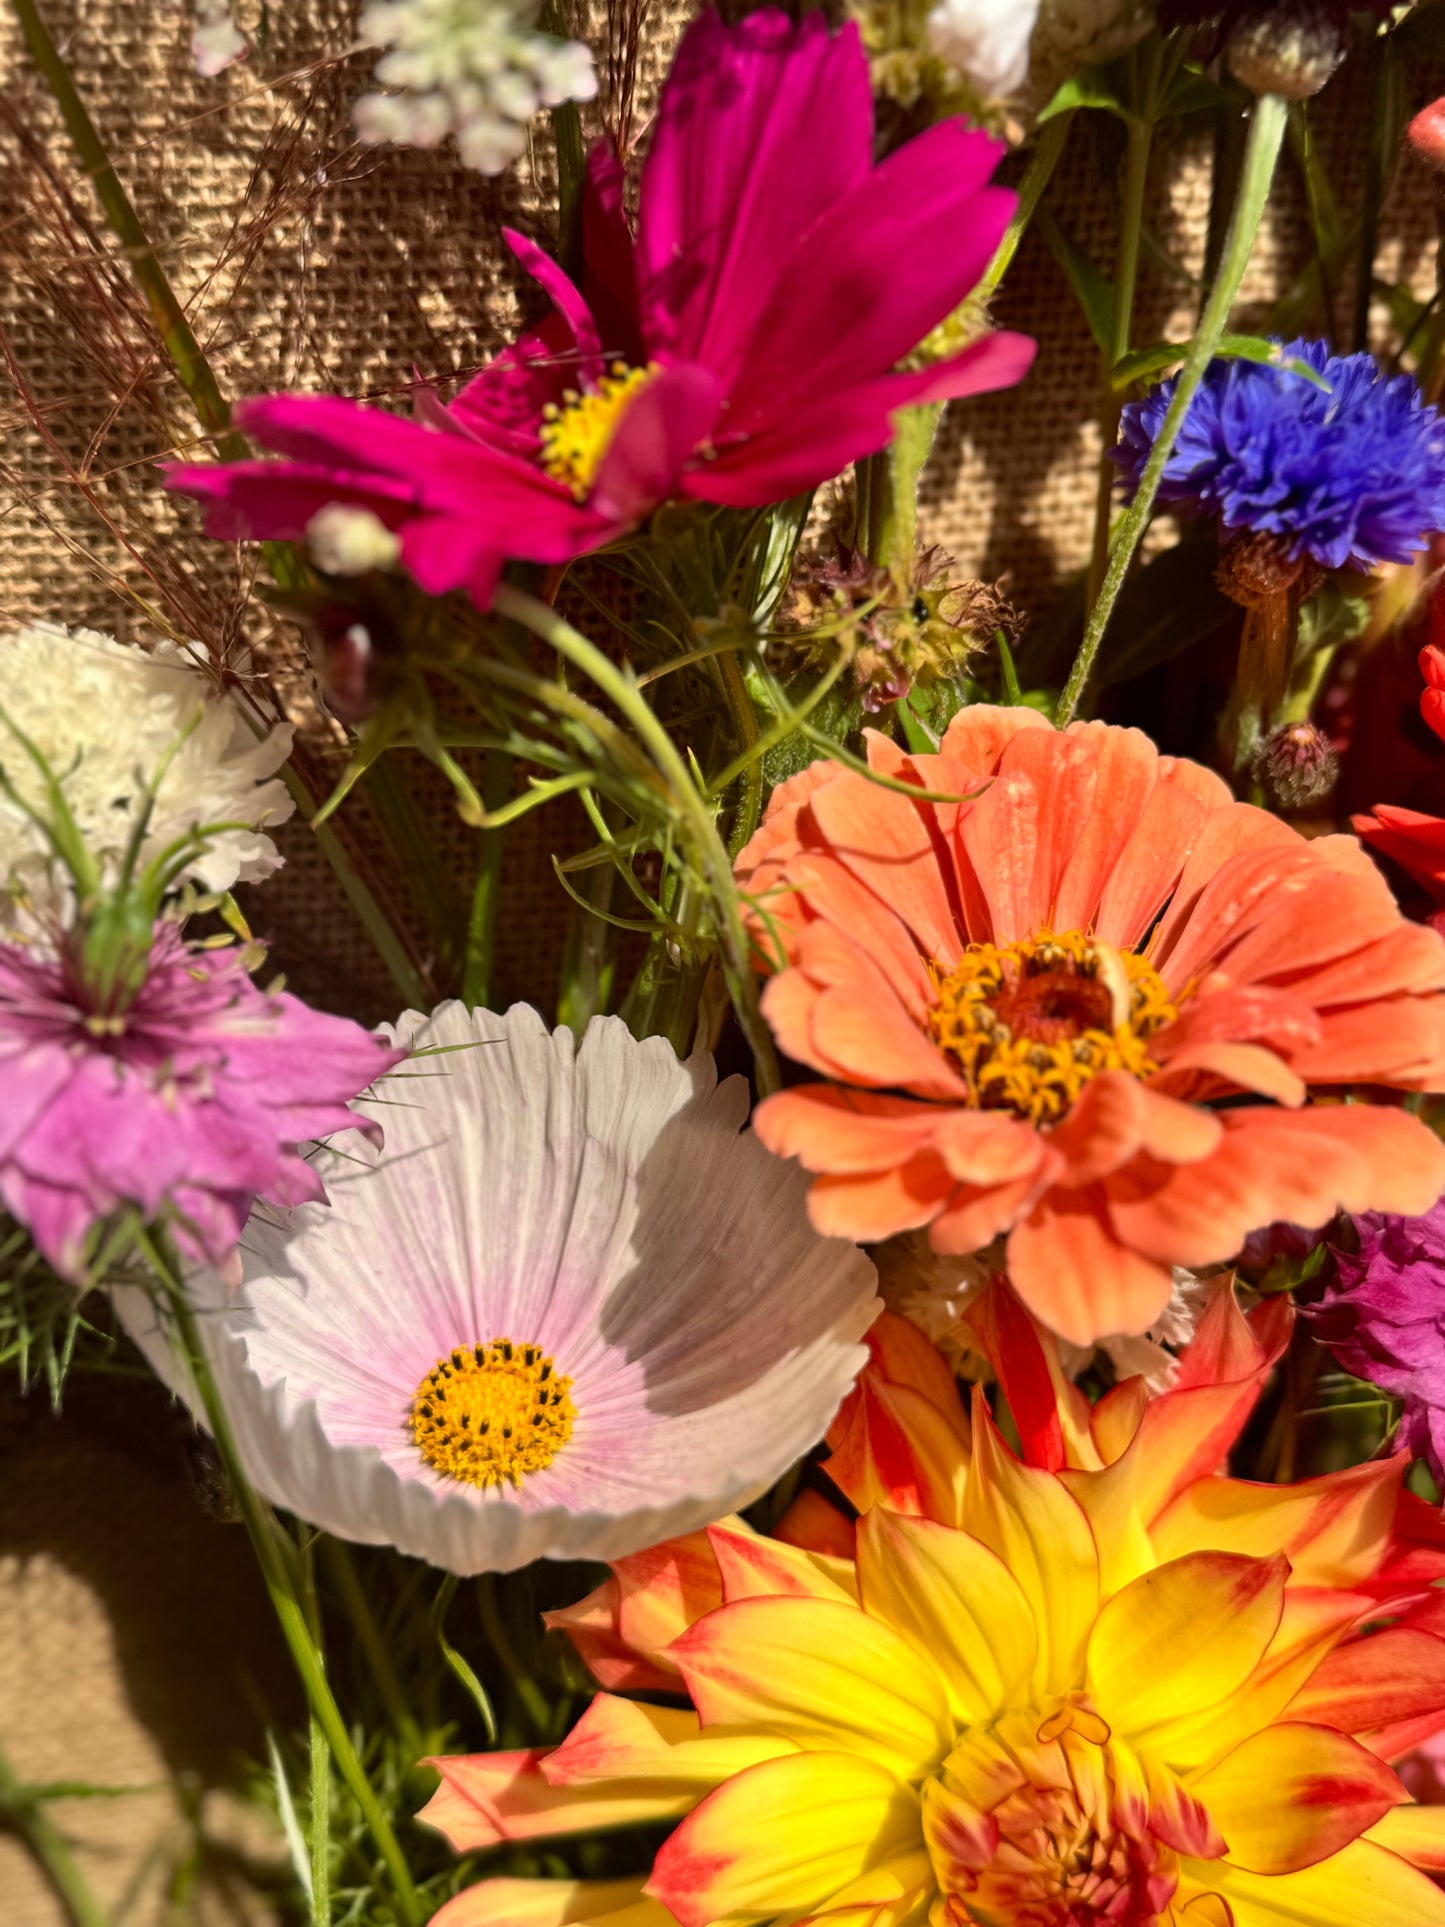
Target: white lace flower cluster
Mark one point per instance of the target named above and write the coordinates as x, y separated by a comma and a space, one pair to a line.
123, 731
475, 69
217, 42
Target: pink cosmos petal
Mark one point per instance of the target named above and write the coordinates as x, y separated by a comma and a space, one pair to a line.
503, 404
656, 433
253, 501
564, 298
601, 1202
816, 440
608, 258
927, 198
761, 129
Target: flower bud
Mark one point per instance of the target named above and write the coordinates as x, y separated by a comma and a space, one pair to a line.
1296, 765
1426, 135
1288, 47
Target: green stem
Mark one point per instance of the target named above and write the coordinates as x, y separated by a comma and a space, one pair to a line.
389, 947
320, 1765
274, 1555
696, 819
477, 977
745, 726
363, 1621
1046, 156
1266, 135
175, 331
46, 1842
1126, 280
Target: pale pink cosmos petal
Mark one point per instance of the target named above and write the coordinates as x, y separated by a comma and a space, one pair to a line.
598, 1202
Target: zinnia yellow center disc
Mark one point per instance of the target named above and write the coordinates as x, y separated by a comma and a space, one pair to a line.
485, 1413
575, 436
1028, 1024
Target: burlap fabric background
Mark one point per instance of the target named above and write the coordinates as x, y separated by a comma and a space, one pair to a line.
133, 1645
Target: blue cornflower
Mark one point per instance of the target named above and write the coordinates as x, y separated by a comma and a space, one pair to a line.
1352, 472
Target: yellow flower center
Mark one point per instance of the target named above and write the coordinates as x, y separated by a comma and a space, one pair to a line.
1029, 1024
577, 435
485, 1413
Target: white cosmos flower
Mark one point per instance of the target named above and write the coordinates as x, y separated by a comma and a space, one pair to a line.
110, 720
986, 40
679, 1332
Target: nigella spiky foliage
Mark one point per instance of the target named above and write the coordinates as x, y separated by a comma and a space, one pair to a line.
1347, 467
903, 634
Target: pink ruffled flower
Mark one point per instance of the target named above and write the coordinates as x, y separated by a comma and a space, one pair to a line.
188, 1104
742, 348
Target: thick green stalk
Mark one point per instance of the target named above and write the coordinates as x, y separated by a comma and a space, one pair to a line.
28, 1817
1266, 135
320, 1767
477, 977
273, 1556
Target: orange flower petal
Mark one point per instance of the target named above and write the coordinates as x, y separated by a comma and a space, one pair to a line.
1360, 1886
1077, 1277
978, 736
506, 1902
880, 837
998, 844
871, 1208
752, 1566
1397, 1041
1094, 785
1151, 861
1118, 1116
1397, 1674
1229, 831
1293, 1795
486, 1798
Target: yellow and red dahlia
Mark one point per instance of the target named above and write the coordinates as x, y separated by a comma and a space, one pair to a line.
1126, 1692
1097, 1005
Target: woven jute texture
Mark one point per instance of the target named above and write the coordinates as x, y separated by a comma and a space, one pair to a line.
131, 1639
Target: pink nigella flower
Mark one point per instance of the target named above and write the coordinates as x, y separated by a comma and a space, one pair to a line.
740, 349
187, 1103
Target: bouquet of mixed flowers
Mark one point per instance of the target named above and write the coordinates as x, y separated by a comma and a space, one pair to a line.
954, 1284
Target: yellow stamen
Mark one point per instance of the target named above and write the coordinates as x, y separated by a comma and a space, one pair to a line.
485, 1413
1029, 1024
576, 436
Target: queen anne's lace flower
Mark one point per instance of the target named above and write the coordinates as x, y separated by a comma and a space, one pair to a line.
569, 1311
217, 42
477, 69
110, 722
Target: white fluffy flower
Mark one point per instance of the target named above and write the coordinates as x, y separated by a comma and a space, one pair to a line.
109, 720
477, 69
217, 42
986, 40
569, 1311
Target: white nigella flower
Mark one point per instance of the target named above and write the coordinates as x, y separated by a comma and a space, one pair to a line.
986, 40
936, 1293
111, 722
569, 1311
477, 69
217, 42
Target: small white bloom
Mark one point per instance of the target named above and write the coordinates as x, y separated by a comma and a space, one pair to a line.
217, 42
350, 541
110, 720
936, 1293
476, 69
986, 40
572, 1308
1080, 33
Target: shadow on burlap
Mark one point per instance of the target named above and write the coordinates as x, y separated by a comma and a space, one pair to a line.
134, 1646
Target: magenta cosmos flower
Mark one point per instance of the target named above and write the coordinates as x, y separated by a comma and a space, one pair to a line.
742, 347
187, 1104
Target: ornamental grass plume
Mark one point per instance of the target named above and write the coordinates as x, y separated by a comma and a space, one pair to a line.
702, 358
568, 1312
179, 1091
1104, 1685
1097, 1005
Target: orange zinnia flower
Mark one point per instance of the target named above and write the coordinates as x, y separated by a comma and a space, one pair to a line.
1086, 1006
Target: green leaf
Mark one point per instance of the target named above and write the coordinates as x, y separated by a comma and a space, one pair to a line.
1330, 618
1193, 92
1090, 87
1145, 363
1093, 289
